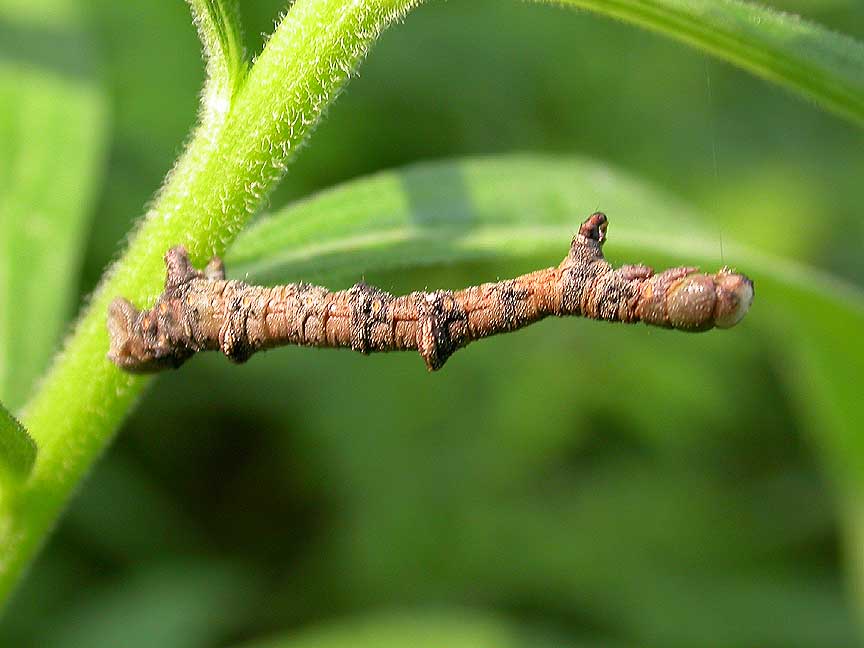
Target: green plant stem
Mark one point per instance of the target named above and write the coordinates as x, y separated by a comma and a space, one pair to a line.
229, 166
819, 64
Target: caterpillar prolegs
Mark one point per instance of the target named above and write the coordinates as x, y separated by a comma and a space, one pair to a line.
202, 311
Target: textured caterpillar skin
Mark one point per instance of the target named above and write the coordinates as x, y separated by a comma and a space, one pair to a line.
202, 311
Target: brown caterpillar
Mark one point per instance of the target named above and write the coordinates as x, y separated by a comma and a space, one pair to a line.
201, 311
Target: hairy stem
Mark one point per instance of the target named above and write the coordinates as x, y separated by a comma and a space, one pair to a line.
236, 156
202, 311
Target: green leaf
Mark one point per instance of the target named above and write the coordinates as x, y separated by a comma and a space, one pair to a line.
507, 207
221, 34
420, 629
809, 59
52, 135
180, 603
824, 356
17, 450
524, 210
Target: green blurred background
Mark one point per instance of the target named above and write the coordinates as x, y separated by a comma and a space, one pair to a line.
575, 483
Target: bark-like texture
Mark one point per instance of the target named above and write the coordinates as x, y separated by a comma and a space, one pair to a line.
203, 311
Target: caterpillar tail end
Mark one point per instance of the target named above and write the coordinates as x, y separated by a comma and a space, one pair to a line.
124, 349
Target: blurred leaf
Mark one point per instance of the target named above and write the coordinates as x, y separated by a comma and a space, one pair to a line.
50, 585
422, 629
509, 207
180, 604
17, 450
672, 556
648, 541
811, 60
126, 514
52, 129
516, 207
824, 360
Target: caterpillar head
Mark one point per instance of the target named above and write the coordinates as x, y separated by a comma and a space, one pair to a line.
698, 302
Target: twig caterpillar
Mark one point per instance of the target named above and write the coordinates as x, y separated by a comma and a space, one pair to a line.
201, 311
